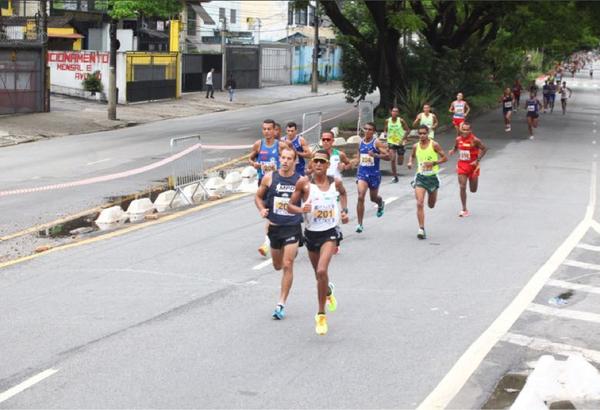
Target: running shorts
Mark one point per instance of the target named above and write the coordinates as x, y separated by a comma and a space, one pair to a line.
315, 239
457, 121
430, 182
533, 114
373, 181
282, 235
464, 168
398, 148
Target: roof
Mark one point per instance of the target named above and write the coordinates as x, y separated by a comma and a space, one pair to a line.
202, 13
154, 33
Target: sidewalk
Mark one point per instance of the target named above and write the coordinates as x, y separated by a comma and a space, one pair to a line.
77, 116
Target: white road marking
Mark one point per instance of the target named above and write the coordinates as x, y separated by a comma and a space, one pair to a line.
36, 177
564, 313
596, 226
26, 384
263, 264
460, 372
243, 129
588, 247
582, 265
543, 345
98, 162
390, 200
574, 286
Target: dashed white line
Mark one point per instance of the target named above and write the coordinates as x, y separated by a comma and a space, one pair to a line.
543, 345
574, 286
263, 264
582, 265
588, 247
243, 129
26, 384
98, 162
564, 313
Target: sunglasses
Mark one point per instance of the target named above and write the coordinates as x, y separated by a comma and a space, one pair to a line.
320, 161
423, 133
326, 139
369, 129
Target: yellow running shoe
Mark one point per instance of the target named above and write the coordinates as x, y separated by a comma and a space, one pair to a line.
321, 327
264, 250
331, 300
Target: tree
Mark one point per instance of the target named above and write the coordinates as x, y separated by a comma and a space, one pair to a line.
120, 9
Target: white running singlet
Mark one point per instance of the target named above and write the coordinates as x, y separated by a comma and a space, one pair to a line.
325, 213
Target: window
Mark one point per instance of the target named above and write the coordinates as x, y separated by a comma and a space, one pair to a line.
232, 16
191, 22
221, 14
311, 16
290, 14
300, 17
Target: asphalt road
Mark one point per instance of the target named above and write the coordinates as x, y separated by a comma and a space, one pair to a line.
78, 157
177, 315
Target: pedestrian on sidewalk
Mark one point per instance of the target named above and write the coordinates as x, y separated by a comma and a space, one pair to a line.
209, 84
231, 86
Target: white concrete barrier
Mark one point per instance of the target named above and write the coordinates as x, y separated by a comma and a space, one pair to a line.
139, 208
161, 204
215, 186
248, 185
336, 132
194, 192
249, 172
233, 180
111, 217
355, 139
339, 141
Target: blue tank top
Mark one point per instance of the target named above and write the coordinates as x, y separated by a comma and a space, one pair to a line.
278, 196
268, 156
532, 106
300, 165
368, 165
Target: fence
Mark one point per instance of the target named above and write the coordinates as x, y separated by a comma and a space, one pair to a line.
365, 115
151, 76
189, 170
311, 127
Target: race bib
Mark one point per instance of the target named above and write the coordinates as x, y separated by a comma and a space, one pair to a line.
464, 155
366, 160
427, 168
508, 104
269, 166
280, 206
324, 213
531, 108
459, 109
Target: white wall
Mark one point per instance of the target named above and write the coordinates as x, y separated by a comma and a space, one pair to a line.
273, 16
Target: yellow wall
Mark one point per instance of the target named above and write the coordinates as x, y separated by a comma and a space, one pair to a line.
7, 12
77, 44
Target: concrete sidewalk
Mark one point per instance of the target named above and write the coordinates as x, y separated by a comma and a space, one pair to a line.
77, 116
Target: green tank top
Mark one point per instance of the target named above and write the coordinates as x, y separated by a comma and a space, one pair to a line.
429, 122
427, 155
395, 131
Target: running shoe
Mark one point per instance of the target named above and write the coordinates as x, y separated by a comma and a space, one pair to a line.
531, 137
321, 326
279, 312
463, 214
264, 250
509, 128
395, 180
380, 209
421, 234
331, 300
359, 228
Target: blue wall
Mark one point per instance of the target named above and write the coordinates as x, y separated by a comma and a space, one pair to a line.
302, 64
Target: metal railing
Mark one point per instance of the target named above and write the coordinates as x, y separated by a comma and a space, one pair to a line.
365, 115
311, 127
188, 170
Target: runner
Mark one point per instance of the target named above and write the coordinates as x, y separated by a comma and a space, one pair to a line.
470, 152
285, 230
368, 176
298, 144
552, 95
396, 129
427, 118
507, 108
322, 196
516, 90
264, 157
546, 95
459, 109
563, 96
429, 155
533, 113
277, 131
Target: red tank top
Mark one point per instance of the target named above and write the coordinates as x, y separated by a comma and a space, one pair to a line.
467, 151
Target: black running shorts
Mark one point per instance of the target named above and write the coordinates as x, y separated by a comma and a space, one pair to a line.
282, 235
315, 239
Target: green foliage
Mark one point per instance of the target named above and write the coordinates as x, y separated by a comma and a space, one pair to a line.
93, 82
356, 81
416, 95
120, 9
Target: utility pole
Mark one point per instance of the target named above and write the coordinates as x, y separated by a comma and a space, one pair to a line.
315, 61
224, 54
112, 72
43, 33
259, 26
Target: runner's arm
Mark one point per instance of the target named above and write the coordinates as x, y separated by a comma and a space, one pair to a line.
305, 148
385, 126
467, 109
345, 163
413, 156
254, 155
416, 121
451, 109
384, 154
300, 193
454, 148
261, 193
435, 122
482, 149
339, 186
443, 158
405, 125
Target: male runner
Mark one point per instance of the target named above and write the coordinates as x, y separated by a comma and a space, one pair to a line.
285, 230
546, 94
429, 155
552, 95
563, 96
516, 90
277, 131
427, 118
298, 144
459, 109
470, 152
533, 113
507, 108
322, 196
368, 176
396, 129
264, 156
